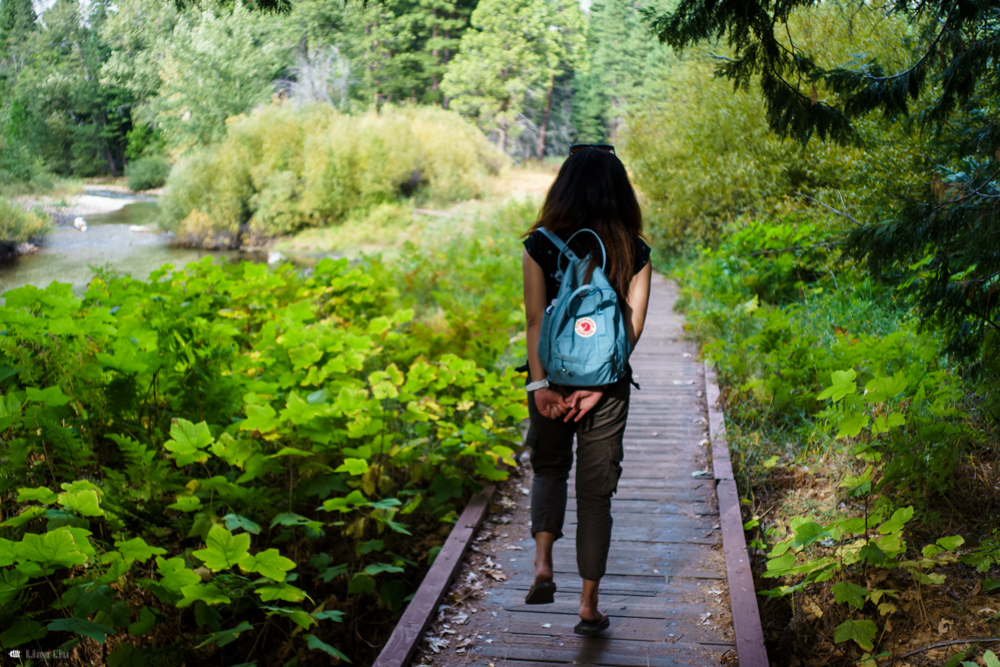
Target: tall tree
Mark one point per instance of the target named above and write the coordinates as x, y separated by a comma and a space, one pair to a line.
513, 55
948, 73
563, 50
624, 59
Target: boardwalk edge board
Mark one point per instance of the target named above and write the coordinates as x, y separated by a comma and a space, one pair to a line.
742, 596
410, 629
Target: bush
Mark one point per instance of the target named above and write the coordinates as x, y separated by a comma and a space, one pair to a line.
147, 173
703, 154
18, 225
327, 427
282, 169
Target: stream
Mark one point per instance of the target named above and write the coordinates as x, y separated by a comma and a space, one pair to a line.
68, 254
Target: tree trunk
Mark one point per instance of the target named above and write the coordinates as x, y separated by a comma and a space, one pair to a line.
540, 151
503, 138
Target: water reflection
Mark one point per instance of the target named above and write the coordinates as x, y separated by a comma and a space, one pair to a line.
69, 254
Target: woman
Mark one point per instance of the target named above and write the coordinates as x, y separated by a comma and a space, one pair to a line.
591, 191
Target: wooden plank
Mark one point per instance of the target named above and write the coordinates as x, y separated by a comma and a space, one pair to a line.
419, 612
742, 596
721, 463
601, 651
622, 606
654, 534
627, 628
651, 572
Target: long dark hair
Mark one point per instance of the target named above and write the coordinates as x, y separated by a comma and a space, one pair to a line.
593, 191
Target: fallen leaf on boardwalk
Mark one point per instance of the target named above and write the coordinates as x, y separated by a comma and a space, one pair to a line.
704, 617
986, 611
436, 643
461, 619
944, 626
515, 548
525, 491
499, 576
460, 651
700, 473
546, 625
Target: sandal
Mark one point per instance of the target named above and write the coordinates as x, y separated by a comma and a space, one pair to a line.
541, 593
592, 628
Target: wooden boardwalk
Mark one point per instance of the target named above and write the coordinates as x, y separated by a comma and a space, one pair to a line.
665, 588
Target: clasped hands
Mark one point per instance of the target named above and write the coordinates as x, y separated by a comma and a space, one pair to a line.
553, 405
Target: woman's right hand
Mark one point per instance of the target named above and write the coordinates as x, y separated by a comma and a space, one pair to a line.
550, 403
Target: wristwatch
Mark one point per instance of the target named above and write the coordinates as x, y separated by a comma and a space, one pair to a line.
535, 386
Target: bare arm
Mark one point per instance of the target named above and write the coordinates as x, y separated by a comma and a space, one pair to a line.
634, 308
549, 402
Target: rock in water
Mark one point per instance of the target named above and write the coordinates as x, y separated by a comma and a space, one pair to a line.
80, 224
274, 257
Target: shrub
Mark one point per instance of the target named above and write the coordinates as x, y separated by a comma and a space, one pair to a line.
147, 173
315, 421
703, 154
18, 225
281, 168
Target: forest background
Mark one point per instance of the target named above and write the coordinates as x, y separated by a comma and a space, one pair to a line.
831, 218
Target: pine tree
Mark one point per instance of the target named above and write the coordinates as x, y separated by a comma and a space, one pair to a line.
945, 247
17, 22
515, 52
624, 58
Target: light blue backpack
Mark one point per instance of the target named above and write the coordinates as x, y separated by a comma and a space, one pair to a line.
584, 342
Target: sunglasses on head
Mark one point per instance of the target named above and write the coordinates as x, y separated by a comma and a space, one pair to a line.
604, 147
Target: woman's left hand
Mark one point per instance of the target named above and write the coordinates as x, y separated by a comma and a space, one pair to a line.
581, 401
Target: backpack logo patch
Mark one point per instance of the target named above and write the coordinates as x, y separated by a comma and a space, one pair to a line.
585, 327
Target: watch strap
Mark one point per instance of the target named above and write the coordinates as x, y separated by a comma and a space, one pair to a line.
535, 386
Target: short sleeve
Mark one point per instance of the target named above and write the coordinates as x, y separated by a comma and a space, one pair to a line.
641, 254
531, 245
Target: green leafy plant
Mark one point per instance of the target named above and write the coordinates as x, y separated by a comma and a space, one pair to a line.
232, 450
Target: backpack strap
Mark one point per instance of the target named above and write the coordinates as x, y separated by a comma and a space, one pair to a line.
564, 247
604, 253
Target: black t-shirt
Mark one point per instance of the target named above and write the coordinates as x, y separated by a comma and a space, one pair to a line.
546, 254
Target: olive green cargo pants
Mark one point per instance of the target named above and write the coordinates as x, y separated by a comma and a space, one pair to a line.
599, 455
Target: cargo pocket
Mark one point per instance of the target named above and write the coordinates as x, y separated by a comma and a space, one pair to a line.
616, 454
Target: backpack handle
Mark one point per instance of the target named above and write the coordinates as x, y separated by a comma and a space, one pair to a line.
560, 315
564, 247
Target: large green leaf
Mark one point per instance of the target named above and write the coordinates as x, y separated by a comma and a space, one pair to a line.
51, 396
841, 384
317, 644
52, 550
11, 584
260, 418
207, 593
844, 591
223, 549
286, 592
862, 632
22, 632
188, 442
146, 622
96, 631
43, 495
226, 637
897, 521
136, 549
269, 563
84, 502
174, 574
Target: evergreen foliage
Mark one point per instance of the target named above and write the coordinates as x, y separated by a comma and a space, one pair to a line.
510, 61
947, 74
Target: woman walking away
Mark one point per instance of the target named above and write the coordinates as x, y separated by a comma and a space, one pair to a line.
592, 193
